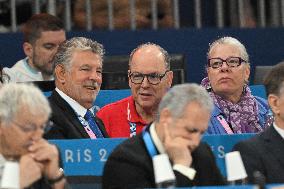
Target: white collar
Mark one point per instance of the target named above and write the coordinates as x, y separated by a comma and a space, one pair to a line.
80, 110
279, 130
156, 139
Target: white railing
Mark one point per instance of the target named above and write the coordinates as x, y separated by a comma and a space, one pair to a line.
236, 12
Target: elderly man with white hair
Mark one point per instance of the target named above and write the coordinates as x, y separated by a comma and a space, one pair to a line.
24, 112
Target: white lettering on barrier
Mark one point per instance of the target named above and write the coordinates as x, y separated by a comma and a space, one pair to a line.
221, 151
103, 154
88, 155
69, 156
76, 156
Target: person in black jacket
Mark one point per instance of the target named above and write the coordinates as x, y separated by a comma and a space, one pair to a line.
24, 112
78, 78
264, 153
182, 118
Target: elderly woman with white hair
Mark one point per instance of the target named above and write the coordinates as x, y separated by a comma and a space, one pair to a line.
236, 109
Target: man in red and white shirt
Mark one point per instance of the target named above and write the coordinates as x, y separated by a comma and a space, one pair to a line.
149, 79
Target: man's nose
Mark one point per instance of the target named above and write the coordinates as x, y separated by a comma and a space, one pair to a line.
196, 137
54, 51
145, 82
38, 133
95, 76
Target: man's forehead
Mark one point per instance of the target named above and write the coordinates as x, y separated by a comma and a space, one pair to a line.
149, 49
148, 57
55, 37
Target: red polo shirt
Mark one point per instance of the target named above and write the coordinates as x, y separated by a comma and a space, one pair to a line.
119, 116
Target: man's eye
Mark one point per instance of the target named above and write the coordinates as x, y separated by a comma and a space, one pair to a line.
49, 47
85, 69
153, 76
137, 76
192, 130
28, 128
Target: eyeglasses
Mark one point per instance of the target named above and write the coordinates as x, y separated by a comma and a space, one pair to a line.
231, 62
153, 78
32, 128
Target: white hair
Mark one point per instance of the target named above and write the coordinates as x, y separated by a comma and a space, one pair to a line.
13, 97
230, 41
178, 97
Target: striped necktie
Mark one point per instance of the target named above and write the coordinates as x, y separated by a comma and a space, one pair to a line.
92, 123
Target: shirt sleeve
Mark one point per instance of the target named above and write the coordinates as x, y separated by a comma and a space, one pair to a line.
186, 171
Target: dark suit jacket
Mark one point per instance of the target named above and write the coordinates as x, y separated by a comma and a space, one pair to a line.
265, 153
130, 166
66, 122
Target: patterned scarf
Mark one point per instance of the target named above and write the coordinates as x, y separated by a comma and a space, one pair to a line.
243, 116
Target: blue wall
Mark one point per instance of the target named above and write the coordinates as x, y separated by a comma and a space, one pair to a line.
265, 46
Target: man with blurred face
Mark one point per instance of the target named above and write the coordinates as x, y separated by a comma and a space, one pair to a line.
149, 79
78, 78
22, 122
263, 154
182, 118
42, 35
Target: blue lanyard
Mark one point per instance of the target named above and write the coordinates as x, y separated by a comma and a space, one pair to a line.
149, 143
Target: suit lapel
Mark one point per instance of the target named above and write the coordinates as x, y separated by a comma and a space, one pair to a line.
69, 113
274, 143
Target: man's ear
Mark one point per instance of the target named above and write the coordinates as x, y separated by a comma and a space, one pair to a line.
60, 73
165, 116
28, 49
170, 78
273, 103
129, 82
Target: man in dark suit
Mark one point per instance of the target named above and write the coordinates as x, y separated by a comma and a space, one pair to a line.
78, 78
265, 152
182, 118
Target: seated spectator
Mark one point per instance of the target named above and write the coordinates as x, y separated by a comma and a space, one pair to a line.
42, 35
24, 112
121, 14
236, 109
78, 78
149, 79
265, 152
181, 120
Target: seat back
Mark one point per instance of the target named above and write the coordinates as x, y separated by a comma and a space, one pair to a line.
259, 74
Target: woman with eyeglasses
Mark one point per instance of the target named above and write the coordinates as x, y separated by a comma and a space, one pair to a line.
236, 109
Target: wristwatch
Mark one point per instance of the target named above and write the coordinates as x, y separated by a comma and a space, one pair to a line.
58, 178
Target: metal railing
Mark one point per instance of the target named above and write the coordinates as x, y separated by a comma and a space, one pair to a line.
265, 13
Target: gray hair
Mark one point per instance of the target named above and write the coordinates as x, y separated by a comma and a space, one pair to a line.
230, 41
163, 51
178, 97
274, 80
67, 48
15, 96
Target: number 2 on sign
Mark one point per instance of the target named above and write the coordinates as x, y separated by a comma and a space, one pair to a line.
103, 154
